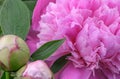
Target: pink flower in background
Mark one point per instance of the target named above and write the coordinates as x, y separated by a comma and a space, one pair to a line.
36, 70
92, 32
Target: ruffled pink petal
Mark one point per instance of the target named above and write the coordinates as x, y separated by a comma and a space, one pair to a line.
92, 32
70, 72
39, 9
107, 15
32, 38
111, 75
98, 74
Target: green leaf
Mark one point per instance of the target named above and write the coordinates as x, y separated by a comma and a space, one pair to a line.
15, 18
46, 50
58, 64
1, 32
1, 2
3, 76
30, 4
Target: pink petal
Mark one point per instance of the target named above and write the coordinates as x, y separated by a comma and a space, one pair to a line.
98, 74
32, 40
111, 75
38, 11
31, 45
70, 72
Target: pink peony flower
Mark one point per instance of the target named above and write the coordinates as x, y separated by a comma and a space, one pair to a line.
35, 70
32, 39
92, 32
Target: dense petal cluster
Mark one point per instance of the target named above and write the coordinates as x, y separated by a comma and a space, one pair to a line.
92, 32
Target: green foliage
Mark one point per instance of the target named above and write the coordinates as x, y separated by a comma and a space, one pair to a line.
46, 50
15, 18
58, 64
30, 4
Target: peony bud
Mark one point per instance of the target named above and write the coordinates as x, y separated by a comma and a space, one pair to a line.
14, 53
35, 70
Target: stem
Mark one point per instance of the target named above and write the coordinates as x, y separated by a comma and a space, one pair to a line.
7, 75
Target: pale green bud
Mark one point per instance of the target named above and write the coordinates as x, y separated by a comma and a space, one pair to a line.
14, 52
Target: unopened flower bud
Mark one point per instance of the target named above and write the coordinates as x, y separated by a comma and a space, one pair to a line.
35, 70
14, 53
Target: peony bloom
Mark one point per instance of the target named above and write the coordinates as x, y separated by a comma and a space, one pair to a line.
35, 70
92, 32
